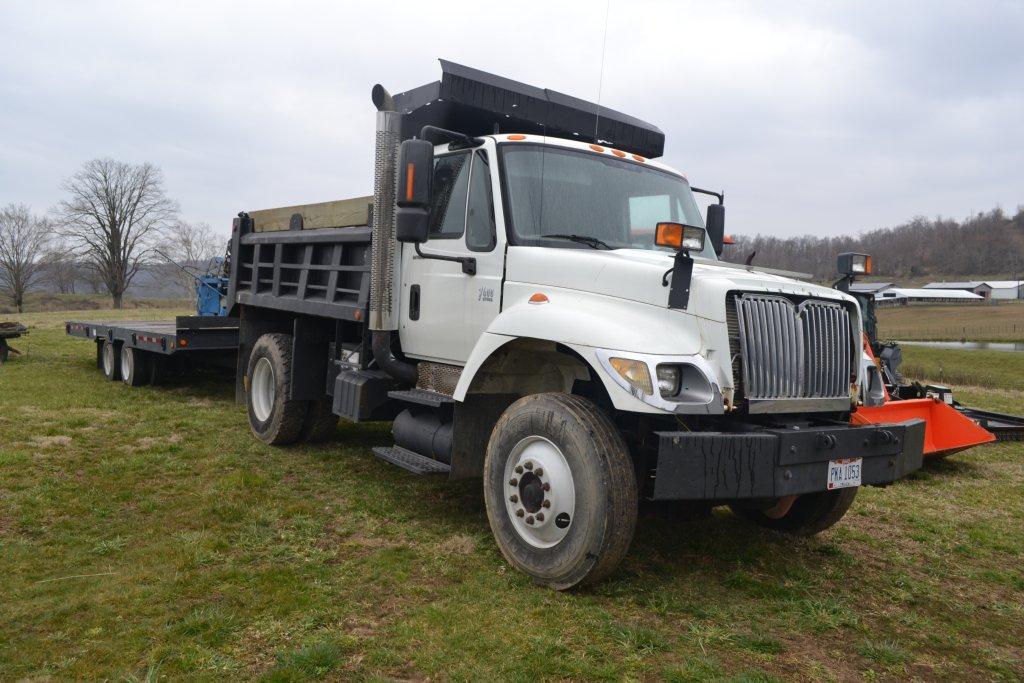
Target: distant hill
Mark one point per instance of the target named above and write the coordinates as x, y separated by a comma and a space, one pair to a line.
989, 244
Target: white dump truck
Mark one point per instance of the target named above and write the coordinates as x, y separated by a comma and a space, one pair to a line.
537, 302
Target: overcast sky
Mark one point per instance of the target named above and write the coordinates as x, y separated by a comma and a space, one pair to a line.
814, 117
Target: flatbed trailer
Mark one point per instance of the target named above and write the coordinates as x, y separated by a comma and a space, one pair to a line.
138, 351
8, 331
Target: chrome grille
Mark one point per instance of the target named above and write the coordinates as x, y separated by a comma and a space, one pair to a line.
794, 351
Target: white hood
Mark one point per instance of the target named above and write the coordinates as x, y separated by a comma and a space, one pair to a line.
636, 275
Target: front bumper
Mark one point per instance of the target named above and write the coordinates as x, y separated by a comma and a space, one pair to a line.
775, 462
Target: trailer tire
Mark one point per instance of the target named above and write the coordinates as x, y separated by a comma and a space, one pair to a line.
582, 511
109, 357
811, 513
274, 418
320, 423
135, 370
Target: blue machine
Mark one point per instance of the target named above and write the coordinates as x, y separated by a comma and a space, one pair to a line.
211, 286
211, 289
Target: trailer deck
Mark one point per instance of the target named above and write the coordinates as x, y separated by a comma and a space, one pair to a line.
184, 334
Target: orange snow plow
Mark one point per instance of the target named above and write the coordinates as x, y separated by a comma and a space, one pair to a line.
946, 429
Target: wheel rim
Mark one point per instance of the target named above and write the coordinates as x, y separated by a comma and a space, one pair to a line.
126, 363
540, 496
108, 359
263, 389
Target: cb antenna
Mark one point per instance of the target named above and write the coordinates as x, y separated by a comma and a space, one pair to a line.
600, 77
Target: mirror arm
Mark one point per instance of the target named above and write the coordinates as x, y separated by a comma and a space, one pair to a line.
468, 262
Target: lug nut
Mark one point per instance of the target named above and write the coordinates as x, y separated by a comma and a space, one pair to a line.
513, 498
546, 486
540, 516
528, 465
519, 469
546, 503
539, 471
513, 482
529, 520
519, 512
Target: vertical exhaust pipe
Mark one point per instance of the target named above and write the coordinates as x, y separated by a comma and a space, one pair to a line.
384, 259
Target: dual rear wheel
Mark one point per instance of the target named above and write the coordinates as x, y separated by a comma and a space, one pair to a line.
274, 417
126, 364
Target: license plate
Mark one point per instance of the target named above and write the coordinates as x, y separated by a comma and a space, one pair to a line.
844, 473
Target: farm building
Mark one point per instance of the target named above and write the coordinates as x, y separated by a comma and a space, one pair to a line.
901, 296
988, 289
871, 287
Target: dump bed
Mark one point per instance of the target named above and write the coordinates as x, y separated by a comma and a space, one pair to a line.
312, 259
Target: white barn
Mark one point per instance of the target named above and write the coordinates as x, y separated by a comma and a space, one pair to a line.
899, 296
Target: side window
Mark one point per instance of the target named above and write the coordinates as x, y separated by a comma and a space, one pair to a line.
448, 205
480, 233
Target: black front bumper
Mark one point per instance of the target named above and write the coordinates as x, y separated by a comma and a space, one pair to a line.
774, 462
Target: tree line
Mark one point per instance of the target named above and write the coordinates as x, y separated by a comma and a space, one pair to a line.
116, 218
988, 243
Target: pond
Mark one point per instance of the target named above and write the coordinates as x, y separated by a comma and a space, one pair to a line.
968, 345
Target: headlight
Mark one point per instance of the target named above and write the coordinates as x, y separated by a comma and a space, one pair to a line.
668, 380
685, 383
634, 372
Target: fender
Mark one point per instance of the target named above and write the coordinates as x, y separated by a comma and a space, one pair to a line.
574, 318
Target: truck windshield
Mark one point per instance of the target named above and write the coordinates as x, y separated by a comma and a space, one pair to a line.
593, 198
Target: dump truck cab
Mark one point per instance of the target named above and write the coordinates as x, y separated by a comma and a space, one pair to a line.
545, 309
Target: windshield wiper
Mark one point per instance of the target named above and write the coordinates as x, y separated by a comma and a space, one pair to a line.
591, 242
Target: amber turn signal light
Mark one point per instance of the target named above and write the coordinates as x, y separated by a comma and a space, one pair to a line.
680, 236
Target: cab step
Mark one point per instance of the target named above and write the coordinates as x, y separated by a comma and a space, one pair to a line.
423, 397
414, 462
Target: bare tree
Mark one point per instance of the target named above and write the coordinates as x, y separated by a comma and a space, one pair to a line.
23, 239
115, 212
62, 269
190, 245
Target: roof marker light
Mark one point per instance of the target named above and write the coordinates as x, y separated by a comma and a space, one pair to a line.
516, 137
637, 157
539, 298
597, 148
618, 152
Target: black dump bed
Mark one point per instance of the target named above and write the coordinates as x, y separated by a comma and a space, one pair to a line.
315, 261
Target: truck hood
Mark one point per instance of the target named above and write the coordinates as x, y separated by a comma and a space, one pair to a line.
636, 275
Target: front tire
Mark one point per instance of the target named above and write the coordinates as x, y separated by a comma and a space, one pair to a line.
560, 490
810, 513
275, 419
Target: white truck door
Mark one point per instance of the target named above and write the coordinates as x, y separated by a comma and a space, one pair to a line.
444, 310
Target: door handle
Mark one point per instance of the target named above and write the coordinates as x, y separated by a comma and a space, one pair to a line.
414, 302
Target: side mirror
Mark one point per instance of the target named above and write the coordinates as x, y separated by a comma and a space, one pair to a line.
413, 190
716, 226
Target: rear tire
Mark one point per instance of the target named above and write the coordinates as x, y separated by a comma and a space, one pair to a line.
811, 513
560, 489
274, 418
109, 358
320, 423
135, 370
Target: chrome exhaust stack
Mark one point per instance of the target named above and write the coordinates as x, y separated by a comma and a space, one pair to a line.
384, 259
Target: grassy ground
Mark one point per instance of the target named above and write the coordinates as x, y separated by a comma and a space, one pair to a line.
36, 302
144, 533
944, 322
956, 367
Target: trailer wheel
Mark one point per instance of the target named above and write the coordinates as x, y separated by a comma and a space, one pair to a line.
274, 418
810, 514
560, 490
109, 361
320, 423
135, 370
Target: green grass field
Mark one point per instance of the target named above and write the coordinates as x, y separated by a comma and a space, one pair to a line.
145, 534
1003, 321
